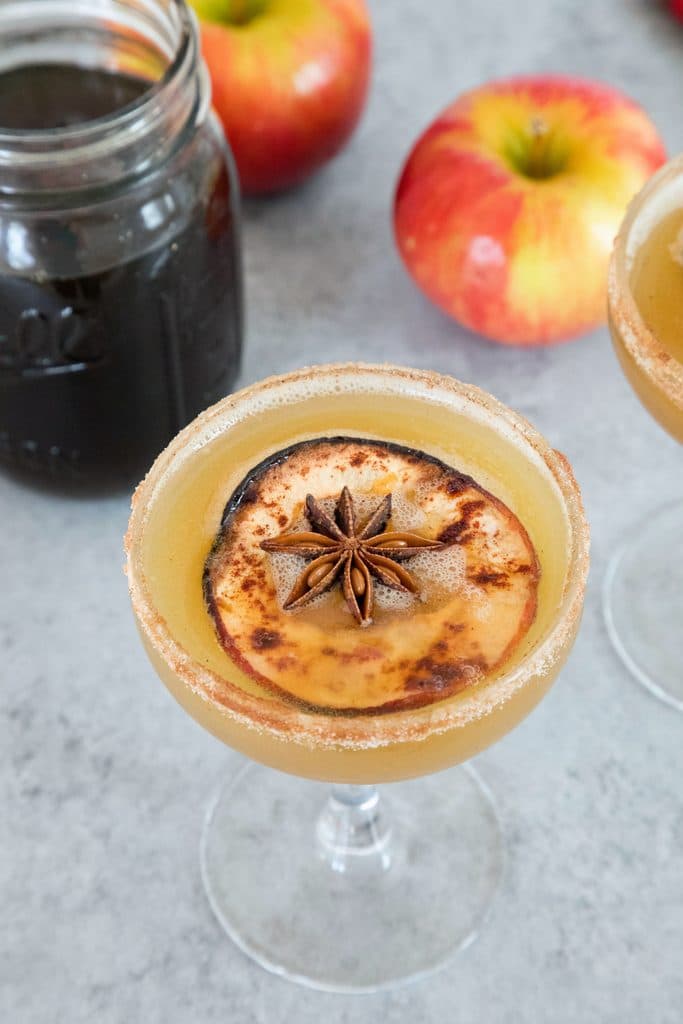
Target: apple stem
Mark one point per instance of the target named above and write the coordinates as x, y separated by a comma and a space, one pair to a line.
241, 12
537, 154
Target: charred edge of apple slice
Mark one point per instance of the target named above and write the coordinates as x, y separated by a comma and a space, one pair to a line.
241, 495
241, 492
423, 695
419, 698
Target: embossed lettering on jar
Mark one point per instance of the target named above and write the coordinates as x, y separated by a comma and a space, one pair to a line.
120, 287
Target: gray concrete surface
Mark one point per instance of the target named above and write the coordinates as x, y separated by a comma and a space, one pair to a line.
103, 780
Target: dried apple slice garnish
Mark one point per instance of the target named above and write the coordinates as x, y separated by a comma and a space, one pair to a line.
362, 576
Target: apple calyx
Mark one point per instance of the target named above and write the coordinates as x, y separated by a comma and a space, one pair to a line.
539, 154
230, 12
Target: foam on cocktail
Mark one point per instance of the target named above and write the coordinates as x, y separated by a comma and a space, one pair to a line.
444, 570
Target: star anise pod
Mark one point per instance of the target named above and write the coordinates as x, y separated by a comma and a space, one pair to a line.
354, 554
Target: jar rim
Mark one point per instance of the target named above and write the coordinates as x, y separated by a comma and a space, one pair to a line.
138, 133
149, 96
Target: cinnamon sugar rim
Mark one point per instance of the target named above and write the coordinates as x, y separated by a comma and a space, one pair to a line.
321, 730
660, 196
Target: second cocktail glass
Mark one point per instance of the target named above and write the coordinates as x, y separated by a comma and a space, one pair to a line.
643, 593
359, 892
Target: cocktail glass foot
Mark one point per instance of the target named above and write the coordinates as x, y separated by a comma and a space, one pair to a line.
348, 890
643, 603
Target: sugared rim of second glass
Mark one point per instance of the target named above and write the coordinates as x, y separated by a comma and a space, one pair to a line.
645, 211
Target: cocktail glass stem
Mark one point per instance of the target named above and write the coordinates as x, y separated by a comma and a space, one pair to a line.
353, 831
643, 603
345, 889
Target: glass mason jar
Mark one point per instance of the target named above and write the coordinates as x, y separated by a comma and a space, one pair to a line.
120, 283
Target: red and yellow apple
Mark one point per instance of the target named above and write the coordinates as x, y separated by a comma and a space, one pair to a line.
507, 206
676, 8
289, 77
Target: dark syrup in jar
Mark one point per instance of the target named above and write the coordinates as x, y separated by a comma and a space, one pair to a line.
98, 371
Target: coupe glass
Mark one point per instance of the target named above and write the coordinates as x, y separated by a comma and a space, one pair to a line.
643, 590
344, 889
